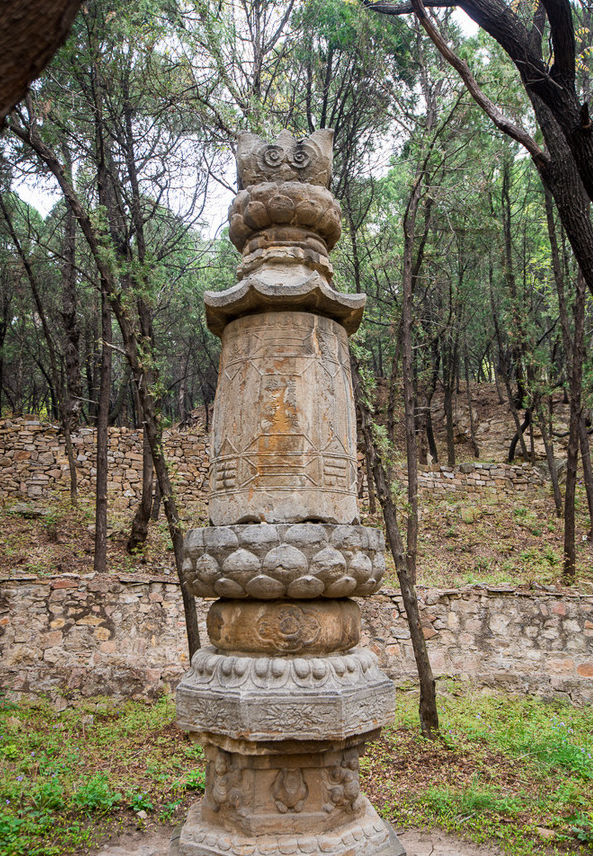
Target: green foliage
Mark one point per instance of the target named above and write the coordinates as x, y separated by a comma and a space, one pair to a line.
95, 795
139, 801
62, 783
195, 780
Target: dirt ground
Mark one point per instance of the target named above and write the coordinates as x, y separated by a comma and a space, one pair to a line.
417, 843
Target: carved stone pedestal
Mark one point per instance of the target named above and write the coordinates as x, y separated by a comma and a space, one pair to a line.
283, 700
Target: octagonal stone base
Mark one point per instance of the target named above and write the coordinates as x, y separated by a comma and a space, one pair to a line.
284, 698
366, 836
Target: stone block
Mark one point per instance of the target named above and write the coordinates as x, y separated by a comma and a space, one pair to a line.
286, 628
366, 835
290, 456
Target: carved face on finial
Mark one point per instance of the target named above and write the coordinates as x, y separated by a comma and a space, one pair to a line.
287, 159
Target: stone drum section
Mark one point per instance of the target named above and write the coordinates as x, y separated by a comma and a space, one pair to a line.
284, 699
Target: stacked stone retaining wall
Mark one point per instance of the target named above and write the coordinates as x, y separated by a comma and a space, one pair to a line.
34, 465
124, 636
473, 477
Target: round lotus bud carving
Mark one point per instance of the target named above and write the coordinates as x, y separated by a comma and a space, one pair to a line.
305, 207
300, 561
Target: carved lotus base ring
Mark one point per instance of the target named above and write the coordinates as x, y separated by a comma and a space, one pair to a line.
284, 698
368, 835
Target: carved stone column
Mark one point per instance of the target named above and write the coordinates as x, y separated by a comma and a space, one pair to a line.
283, 700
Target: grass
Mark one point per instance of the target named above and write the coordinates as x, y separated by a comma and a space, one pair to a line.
69, 779
62, 540
514, 540
511, 769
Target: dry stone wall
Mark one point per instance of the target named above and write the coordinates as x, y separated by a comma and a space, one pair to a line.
124, 636
473, 477
33, 465
33, 462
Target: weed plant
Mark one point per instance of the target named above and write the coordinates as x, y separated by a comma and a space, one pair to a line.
68, 779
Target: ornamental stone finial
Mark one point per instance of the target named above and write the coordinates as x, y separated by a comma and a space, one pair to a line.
286, 159
284, 221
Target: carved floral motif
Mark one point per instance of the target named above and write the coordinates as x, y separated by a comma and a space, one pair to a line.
288, 628
286, 159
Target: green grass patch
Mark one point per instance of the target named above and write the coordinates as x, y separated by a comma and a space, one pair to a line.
508, 769
68, 779
513, 770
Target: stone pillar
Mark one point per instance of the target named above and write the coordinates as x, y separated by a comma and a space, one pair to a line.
283, 700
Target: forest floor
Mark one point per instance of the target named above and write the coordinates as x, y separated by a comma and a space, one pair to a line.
463, 538
509, 775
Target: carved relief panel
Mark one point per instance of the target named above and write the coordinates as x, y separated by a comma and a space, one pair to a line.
284, 431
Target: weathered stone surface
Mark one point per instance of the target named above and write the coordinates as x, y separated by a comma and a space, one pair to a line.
302, 561
286, 159
284, 698
145, 653
253, 627
310, 209
312, 790
308, 292
291, 454
365, 836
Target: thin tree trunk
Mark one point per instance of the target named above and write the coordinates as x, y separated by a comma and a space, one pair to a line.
587, 472
448, 404
429, 717
370, 484
472, 430
156, 503
69, 306
549, 447
58, 393
569, 565
100, 559
139, 530
407, 366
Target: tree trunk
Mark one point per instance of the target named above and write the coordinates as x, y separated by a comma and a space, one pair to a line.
429, 717
409, 226
139, 530
59, 395
100, 559
587, 472
448, 404
569, 565
472, 430
548, 446
30, 135
69, 306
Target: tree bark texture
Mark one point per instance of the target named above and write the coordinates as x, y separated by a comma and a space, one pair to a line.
569, 564
31, 31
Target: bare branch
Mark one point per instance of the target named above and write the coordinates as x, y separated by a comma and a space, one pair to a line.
500, 120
